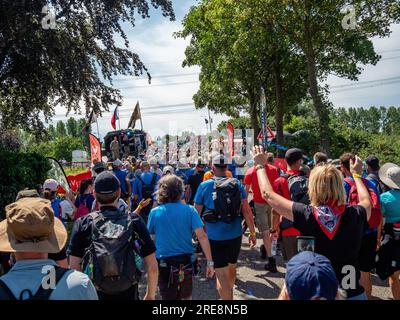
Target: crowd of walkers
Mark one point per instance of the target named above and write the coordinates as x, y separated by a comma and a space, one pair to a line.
335, 225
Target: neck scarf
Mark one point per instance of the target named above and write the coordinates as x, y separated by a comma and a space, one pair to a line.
329, 217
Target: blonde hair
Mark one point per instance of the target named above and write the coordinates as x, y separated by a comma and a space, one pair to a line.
326, 184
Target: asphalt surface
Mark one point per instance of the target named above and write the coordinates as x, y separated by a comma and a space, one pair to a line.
254, 283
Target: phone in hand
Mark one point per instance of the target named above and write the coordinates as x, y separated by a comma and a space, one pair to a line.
305, 244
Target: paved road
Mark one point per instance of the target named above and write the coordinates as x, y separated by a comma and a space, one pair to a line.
254, 283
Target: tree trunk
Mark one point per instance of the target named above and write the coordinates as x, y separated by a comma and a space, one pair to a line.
280, 109
320, 107
254, 114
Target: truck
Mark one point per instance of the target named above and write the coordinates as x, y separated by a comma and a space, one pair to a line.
135, 141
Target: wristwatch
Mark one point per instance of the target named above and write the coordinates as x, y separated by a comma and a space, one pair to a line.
259, 167
210, 264
272, 231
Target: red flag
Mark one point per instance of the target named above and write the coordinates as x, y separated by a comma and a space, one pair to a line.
114, 119
231, 138
95, 149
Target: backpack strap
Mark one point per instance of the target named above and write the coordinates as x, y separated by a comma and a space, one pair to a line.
44, 294
5, 292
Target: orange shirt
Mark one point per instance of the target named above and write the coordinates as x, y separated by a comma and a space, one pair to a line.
208, 175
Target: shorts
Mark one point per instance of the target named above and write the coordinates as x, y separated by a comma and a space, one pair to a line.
289, 247
171, 287
130, 294
263, 216
367, 254
225, 252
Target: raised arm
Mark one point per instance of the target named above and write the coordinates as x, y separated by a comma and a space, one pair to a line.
281, 205
356, 167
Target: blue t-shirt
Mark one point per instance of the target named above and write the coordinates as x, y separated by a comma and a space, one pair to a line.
218, 231
146, 177
173, 224
390, 206
121, 175
87, 199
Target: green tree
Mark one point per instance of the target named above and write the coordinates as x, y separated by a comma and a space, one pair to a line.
52, 132
72, 127
314, 28
61, 130
69, 65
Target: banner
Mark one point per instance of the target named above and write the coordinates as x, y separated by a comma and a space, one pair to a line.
136, 115
57, 173
264, 127
95, 149
114, 119
75, 180
231, 138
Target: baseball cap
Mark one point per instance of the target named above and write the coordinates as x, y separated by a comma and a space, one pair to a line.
168, 169
99, 166
106, 183
373, 162
293, 155
27, 194
309, 276
117, 163
50, 184
220, 161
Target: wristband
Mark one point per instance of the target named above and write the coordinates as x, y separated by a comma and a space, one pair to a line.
253, 234
272, 231
259, 167
139, 207
356, 175
210, 264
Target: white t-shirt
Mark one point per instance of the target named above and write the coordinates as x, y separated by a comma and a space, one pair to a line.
66, 209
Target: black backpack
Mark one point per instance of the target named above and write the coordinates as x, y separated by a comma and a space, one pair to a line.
148, 189
41, 293
227, 201
298, 188
110, 261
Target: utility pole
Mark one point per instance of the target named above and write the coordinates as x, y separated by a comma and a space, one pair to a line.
209, 119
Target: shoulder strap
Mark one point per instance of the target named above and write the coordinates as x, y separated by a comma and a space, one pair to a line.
44, 294
5, 292
349, 181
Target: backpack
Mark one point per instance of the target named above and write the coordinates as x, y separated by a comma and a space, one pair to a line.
41, 293
82, 210
376, 214
227, 201
110, 260
298, 188
148, 189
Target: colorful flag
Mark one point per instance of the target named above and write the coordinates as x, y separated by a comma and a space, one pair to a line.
136, 115
114, 118
231, 138
95, 149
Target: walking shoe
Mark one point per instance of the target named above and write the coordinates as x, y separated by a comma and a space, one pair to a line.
271, 265
263, 252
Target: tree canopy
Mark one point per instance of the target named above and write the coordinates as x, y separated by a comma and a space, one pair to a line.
67, 62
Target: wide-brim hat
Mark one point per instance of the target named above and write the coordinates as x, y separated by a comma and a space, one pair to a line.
30, 226
390, 175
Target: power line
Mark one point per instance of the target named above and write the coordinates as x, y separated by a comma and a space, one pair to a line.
367, 86
364, 82
160, 76
160, 85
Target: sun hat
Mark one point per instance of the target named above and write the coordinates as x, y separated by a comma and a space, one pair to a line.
389, 174
30, 226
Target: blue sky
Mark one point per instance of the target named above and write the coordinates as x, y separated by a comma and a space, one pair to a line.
163, 55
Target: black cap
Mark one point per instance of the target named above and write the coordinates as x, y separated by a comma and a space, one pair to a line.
106, 183
220, 161
293, 155
373, 162
98, 166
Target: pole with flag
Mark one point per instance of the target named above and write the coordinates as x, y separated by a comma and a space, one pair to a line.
136, 115
114, 119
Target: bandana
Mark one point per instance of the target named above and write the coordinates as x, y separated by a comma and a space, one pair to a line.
329, 217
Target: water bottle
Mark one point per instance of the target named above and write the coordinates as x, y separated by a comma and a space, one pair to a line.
274, 245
